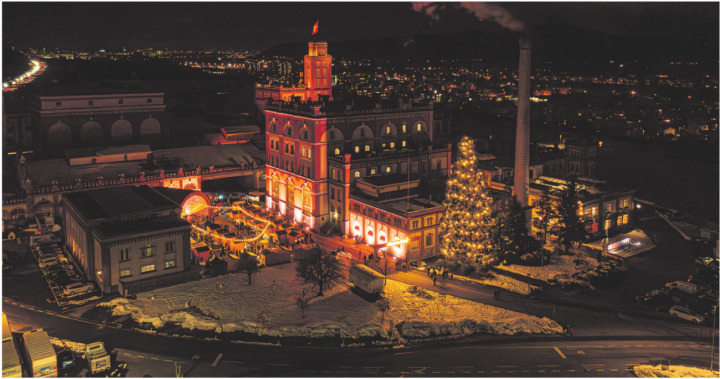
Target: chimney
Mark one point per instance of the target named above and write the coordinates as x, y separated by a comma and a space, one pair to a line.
522, 137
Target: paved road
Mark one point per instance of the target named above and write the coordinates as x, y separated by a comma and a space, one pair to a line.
155, 355
585, 322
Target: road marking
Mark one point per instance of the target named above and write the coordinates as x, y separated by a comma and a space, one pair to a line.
217, 360
600, 369
404, 352
155, 359
168, 360
559, 352
613, 369
570, 370
140, 356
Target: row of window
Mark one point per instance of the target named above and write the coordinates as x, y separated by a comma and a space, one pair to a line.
334, 134
147, 251
91, 102
592, 211
124, 273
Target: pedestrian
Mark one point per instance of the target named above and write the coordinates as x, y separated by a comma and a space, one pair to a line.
434, 279
451, 275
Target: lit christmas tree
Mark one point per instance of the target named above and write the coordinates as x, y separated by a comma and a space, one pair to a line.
466, 224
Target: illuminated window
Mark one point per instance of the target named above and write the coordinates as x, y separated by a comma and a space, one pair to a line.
367, 147
404, 128
357, 174
403, 143
619, 220
624, 203
124, 273
392, 145
607, 224
302, 152
387, 169
419, 127
593, 211
372, 171
337, 151
625, 219
608, 208
334, 174
169, 264
357, 149
147, 251
309, 153
146, 269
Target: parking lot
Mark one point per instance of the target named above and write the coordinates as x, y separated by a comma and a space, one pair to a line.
36, 269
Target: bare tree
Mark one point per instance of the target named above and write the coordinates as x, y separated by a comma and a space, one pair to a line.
321, 270
302, 301
249, 265
383, 304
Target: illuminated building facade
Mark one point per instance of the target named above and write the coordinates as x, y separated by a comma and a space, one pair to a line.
318, 149
129, 238
317, 79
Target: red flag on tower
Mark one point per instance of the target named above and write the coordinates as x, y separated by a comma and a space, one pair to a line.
315, 27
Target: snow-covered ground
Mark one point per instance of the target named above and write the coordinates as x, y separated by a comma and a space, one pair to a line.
501, 281
566, 266
646, 371
267, 308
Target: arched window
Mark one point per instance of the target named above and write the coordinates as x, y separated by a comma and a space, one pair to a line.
404, 128
372, 171
404, 143
388, 169
305, 134
290, 195
357, 149
292, 149
367, 147
392, 145
357, 174
337, 151
275, 187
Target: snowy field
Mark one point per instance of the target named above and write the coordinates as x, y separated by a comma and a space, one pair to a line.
646, 371
267, 307
566, 266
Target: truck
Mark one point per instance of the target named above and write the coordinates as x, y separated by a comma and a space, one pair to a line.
366, 279
11, 367
97, 358
40, 354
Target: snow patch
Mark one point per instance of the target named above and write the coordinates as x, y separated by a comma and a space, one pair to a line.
647, 371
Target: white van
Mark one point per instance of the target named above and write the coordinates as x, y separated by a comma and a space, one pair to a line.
684, 286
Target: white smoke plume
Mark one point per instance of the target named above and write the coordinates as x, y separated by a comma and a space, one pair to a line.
482, 11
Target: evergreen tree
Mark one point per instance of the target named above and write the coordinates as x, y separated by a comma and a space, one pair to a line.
510, 233
545, 216
466, 223
572, 228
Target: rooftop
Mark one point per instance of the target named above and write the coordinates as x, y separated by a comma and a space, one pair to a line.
384, 180
45, 172
115, 202
114, 230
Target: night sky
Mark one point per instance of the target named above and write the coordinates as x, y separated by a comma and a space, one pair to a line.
228, 25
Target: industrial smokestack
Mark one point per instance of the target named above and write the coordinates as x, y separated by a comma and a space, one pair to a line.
522, 137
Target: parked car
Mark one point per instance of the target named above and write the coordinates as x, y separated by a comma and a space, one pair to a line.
686, 314
44, 263
66, 361
657, 300
78, 288
707, 262
684, 286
